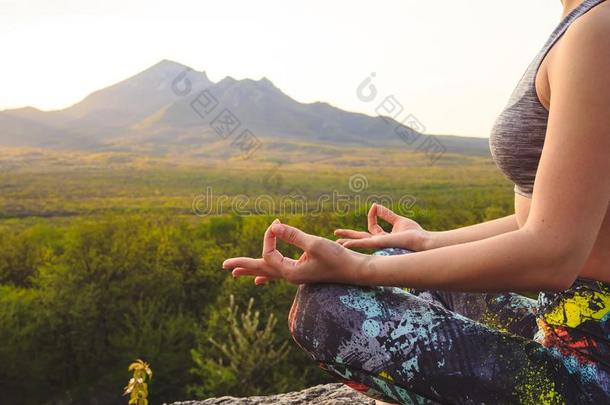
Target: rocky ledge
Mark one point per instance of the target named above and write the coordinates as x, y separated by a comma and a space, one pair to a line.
323, 394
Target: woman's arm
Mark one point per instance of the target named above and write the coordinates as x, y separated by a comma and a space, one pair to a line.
571, 193
520, 260
470, 233
408, 234
516, 261
570, 199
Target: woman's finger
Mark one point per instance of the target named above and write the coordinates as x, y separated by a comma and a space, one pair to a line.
378, 241
361, 243
269, 243
373, 226
270, 253
343, 241
387, 214
262, 279
294, 236
258, 279
351, 234
242, 271
255, 265
246, 262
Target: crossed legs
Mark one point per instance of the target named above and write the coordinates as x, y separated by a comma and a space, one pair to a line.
425, 347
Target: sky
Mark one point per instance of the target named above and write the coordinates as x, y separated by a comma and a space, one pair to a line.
451, 64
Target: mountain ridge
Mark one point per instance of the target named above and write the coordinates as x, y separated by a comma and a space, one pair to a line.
156, 109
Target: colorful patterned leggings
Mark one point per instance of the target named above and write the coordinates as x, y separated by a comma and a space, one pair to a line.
412, 346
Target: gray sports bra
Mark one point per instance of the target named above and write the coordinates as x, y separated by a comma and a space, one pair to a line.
517, 137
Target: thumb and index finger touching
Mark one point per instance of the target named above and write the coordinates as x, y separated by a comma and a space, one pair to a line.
305, 241
288, 234
270, 254
378, 210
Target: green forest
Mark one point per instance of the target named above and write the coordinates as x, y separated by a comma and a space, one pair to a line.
108, 258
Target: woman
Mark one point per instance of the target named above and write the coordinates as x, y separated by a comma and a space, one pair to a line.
452, 333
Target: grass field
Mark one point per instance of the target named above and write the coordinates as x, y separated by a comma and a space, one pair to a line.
108, 257
61, 184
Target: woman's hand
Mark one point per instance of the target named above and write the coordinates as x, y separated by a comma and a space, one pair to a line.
322, 261
406, 233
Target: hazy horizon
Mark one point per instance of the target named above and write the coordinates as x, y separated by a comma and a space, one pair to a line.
452, 66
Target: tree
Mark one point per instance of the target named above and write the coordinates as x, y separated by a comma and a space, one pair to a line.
243, 365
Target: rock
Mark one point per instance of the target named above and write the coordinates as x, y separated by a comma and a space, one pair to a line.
323, 394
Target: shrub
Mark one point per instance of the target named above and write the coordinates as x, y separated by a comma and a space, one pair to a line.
243, 365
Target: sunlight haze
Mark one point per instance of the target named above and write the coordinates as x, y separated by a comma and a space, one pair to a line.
451, 64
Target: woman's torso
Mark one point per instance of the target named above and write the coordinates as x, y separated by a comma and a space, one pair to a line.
573, 324
597, 266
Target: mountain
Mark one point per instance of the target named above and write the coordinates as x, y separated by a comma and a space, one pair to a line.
162, 108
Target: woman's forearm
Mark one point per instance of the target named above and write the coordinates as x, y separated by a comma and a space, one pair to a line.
471, 233
513, 261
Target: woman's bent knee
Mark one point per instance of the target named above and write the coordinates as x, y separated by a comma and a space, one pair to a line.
305, 315
319, 317
325, 316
